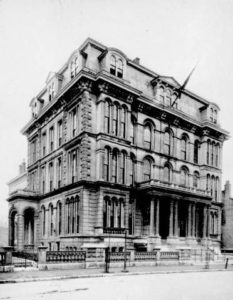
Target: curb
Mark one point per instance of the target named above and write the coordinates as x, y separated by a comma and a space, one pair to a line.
5, 281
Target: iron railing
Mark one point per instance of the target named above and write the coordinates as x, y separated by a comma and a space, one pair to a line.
65, 256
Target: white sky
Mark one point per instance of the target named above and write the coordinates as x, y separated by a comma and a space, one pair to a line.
169, 36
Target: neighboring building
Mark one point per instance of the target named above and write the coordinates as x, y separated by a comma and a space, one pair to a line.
108, 151
227, 220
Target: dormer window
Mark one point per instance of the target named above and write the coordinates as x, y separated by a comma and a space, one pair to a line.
116, 66
51, 91
213, 115
74, 68
168, 98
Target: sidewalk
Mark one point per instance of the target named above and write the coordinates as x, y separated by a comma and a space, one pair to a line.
36, 275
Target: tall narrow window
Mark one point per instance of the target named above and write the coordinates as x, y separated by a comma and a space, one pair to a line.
72, 70
184, 148
59, 172
43, 219
113, 65
161, 95
168, 98
167, 173
43, 179
211, 115
147, 169
208, 182
196, 178
132, 169
59, 132
107, 113
44, 142
217, 155
215, 116
184, 176
168, 143
106, 164
208, 153
216, 188
73, 122
51, 175
115, 119
73, 166
147, 136
105, 211
112, 212
212, 153
59, 214
123, 167
114, 165
212, 186
123, 122
119, 68
51, 138
51, 218
196, 152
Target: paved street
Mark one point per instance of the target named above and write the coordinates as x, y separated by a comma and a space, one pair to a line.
198, 285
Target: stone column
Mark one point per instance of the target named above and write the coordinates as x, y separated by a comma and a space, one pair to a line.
115, 213
176, 219
171, 219
157, 218
194, 220
152, 216
189, 220
204, 221
20, 245
122, 215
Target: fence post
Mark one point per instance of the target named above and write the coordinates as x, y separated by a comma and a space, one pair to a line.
42, 254
226, 263
8, 250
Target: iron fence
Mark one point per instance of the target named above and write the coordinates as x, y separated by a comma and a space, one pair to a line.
65, 256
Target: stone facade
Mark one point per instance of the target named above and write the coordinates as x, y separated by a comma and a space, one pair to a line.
109, 150
227, 220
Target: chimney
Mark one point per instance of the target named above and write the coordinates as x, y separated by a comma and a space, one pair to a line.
227, 189
137, 60
22, 167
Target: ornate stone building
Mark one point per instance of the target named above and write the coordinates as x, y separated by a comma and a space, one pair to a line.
107, 150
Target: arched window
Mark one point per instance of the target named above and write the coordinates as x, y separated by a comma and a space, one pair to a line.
208, 182
167, 173
115, 119
161, 95
59, 217
106, 164
51, 228
211, 114
184, 147
208, 153
196, 179
73, 166
123, 121
119, 68
43, 212
134, 130
105, 211
215, 116
123, 167
217, 155
147, 169
107, 114
168, 98
114, 165
147, 136
216, 188
168, 142
212, 186
132, 169
184, 174
196, 152
112, 211
113, 65
212, 153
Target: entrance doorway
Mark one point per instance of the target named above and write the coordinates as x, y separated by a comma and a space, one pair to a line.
29, 227
164, 218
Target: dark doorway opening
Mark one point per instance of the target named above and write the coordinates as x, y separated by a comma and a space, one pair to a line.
164, 218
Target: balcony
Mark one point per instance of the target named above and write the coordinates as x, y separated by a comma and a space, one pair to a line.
173, 188
113, 230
